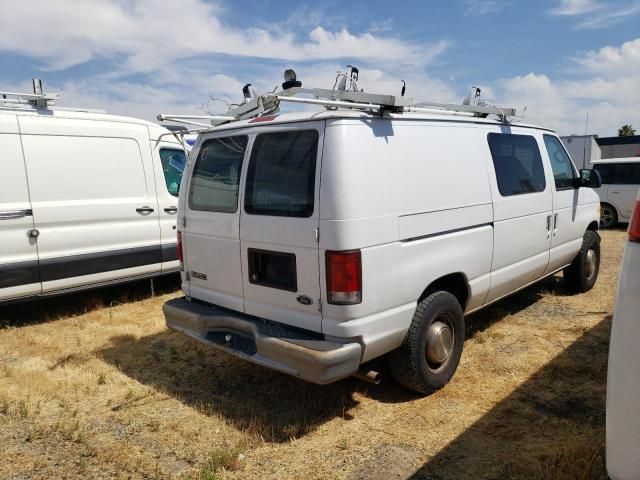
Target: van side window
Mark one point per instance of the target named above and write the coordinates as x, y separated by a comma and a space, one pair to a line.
282, 174
518, 164
606, 172
216, 174
563, 171
627, 174
173, 162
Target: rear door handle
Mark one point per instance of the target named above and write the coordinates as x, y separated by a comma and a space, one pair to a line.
144, 210
171, 209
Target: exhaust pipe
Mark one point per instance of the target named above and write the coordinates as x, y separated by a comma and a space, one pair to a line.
370, 376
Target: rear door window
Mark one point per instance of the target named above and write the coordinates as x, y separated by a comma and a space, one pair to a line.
563, 171
518, 164
282, 174
216, 175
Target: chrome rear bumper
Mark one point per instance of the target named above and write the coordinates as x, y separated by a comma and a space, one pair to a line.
297, 352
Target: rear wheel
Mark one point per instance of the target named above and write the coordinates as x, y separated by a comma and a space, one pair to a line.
431, 351
608, 216
582, 274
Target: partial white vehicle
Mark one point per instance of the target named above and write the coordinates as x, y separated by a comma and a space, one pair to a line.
87, 199
623, 380
314, 242
620, 186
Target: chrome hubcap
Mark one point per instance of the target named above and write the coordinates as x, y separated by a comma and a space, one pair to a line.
439, 343
591, 264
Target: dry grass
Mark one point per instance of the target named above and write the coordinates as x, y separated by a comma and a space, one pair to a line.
93, 386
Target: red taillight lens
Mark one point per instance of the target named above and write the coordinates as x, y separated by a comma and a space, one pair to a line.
180, 257
344, 277
634, 226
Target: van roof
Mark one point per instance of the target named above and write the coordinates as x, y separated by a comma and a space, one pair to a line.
604, 161
155, 130
308, 116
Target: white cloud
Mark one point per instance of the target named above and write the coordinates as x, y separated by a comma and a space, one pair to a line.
148, 34
616, 15
606, 87
612, 61
576, 7
483, 7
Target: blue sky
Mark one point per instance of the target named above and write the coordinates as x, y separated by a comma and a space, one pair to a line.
559, 58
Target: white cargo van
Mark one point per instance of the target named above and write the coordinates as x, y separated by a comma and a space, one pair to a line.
620, 186
87, 199
314, 242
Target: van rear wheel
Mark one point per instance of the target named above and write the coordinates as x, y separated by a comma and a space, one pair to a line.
582, 274
431, 351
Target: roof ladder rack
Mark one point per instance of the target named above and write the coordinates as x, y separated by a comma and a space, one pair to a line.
38, 98
343, 97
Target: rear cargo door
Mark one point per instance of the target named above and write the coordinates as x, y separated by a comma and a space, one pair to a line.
211, 221
279, 225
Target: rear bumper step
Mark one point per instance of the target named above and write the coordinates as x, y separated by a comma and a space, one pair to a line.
289, 350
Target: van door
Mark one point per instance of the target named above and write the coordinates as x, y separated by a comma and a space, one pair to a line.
570, 210
169, 164
211, 226
19, 253
279, 225
93, 200
522, 205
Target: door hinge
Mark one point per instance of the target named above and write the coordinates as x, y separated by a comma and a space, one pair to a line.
316, 232
320, 305
184, 222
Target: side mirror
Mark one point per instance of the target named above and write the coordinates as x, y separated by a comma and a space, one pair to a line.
588, 178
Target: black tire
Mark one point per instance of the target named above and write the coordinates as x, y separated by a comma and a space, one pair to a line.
608, 215
582, 274
411, 364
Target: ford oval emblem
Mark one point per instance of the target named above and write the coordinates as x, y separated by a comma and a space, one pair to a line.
303, 299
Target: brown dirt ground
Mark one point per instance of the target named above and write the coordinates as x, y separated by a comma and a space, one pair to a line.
93, 385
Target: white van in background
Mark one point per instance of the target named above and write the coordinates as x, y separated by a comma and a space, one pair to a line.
620, 186
87, 199
314, 242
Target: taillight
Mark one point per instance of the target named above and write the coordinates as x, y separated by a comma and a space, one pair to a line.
634, 226
180, 256
344, 277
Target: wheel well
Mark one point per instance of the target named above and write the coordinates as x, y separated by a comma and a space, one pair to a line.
455, 283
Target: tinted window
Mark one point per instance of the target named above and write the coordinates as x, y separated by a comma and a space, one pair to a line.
518, 164
563, 171
173, 162
605, 171
282, 174
627, 173
214, 183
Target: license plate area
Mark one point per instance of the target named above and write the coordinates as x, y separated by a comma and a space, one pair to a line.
273, 269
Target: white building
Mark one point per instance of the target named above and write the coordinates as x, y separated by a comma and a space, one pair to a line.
583, 149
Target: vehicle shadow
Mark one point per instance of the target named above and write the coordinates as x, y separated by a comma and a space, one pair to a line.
562, 410
72, 304
257, 400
